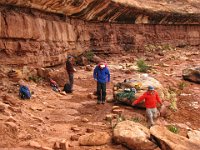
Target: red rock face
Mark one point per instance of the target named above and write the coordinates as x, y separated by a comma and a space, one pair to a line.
32, 37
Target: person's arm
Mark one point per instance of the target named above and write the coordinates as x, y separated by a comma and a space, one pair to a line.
158, 98
108, 73
95, 73
139, 99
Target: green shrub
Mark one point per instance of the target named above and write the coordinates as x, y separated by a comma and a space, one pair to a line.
35, 79
89, 55
142, 66
173, 129
182, 85
136, 119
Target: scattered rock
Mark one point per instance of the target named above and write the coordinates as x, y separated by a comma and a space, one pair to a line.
46, 148
12, 125
88, 68
10, 100
85, 120
170, 141
133, 135
109, 99
75, 128
56, 145
115, 107
92, 96
63, 93
11, 119
75, 137
194, 135
118, 111
38, 119
128, 71
14, 109
15, 75
111, 116
63, 145
81, 60
2, 107
34, 144
95, 139
88, 130
96, 59
192, 74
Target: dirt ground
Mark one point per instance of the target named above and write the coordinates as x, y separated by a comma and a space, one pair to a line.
49, 117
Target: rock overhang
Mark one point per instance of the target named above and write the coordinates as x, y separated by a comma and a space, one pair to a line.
120, 11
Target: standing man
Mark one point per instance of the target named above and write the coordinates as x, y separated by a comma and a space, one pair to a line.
102, 75
70, 70
151, 98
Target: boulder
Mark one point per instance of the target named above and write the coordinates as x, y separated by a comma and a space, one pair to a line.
95, 139
133, 135
194, 135
192, 74
15, 75
34, 144
81, 60
96, 59
140, 83
58, 75
171, 141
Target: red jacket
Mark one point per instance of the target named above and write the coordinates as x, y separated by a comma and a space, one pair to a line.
150, 99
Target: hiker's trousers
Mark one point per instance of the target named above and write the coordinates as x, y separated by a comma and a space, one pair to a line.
151, 113
101, 91
71, 79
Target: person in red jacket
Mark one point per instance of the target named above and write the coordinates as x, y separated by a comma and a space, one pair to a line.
151, 98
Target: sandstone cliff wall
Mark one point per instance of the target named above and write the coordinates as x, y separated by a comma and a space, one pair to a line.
32, 37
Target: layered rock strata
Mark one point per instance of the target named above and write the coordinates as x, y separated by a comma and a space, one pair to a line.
128, 11
42, 39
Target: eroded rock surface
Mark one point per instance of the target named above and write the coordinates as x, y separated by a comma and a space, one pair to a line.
171, 141
41, 37
130, 11
192, 74
133, 135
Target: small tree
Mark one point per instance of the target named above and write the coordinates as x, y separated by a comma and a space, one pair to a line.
142, 66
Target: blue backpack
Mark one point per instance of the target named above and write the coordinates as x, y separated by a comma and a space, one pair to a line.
24, 92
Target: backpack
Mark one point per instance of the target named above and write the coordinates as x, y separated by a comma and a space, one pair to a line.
67, 88
24, 92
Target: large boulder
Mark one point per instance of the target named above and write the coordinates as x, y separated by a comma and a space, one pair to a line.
58, 75
133, 135
95, 139
140, 83
194, 135
192, 74
171, 141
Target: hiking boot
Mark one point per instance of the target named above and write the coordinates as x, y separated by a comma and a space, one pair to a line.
98, 102
103, 102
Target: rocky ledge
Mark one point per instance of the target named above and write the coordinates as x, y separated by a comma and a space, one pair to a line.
121, 11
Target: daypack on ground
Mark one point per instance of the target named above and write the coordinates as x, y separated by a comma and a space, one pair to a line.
67, 88
126, 95
54, 85
24, 92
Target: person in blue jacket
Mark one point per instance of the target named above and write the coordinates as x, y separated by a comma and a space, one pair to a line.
102, 75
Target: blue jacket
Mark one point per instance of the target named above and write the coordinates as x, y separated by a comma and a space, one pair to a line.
101, 75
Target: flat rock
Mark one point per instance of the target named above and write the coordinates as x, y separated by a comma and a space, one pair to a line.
95, 139
170, 141
133, 135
